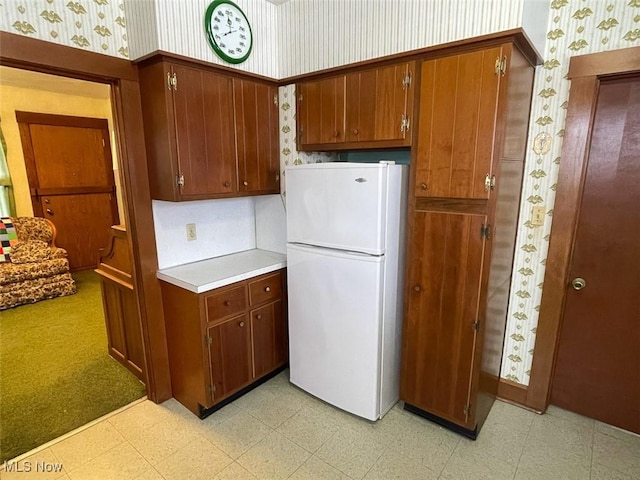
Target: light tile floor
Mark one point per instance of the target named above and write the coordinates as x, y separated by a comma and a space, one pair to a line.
277, 431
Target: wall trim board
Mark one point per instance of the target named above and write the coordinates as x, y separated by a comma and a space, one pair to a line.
46, 57
516, 35
512, 392
575, 150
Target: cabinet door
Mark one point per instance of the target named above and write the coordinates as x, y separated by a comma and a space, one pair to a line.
442, 295
377, 102
230, 356
203, 111
269, 333
320, 113
256, 108
456, 136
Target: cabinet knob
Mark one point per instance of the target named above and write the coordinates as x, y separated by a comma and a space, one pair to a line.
245, 183
417, 288
241, 324
423, 186
336, 133
267, 288
49, 211
259, 317
227, 184
356, 131
227, 303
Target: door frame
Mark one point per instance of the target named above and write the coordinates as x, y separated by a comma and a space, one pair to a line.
27, 53
585, 73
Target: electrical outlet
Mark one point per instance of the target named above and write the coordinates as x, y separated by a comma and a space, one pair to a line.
537, 216
191, 231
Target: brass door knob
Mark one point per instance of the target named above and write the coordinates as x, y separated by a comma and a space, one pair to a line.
578, 283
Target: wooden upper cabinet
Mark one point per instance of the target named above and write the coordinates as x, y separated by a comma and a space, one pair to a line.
379, 102
256, 107
203, 112
365, 109
320, 111
208, 134
457, 127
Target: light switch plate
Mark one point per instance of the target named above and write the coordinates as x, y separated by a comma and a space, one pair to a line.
191, 231
537, 215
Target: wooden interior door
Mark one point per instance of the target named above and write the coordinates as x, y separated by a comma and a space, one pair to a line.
442, 295
256, 107
597, 371
70, 172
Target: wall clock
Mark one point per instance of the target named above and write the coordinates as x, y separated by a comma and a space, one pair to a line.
228, 31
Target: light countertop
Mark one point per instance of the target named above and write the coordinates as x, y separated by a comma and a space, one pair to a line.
205, 275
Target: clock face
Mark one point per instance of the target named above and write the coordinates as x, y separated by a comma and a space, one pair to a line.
228, 31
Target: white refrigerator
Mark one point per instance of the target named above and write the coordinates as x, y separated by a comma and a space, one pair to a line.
345, 263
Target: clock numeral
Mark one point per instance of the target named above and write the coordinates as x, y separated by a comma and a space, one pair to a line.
241, 29
231, 52
221, 14
217, 19
243, 37
242, 44
217, 37
237, 20
239, 50
216, 28
222, 45
228, 12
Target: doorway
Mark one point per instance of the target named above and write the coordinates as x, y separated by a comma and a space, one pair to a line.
78, 382
597, 370
71, 180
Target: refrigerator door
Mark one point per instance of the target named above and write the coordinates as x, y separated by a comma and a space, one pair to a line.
338, 205
335, 308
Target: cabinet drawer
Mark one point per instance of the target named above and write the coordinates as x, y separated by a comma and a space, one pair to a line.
265, 289
231, 301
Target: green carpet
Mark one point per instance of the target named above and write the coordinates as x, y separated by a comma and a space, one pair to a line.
55, 372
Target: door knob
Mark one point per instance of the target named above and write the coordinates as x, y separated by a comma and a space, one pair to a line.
578, 283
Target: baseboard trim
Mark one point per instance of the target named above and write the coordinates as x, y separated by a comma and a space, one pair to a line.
512, 392
472, 434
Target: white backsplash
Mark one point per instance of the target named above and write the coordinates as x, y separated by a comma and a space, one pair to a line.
271, 223
222, 227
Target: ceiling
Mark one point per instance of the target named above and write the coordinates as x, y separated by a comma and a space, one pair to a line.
51, 83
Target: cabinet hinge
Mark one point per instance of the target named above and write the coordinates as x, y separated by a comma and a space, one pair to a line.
489, 182
300, 98
275, 100
172, 81
103, 143
406, 81
404, 124
212, 389
467, 410
485, 231
180, 180
476, 325
501, 66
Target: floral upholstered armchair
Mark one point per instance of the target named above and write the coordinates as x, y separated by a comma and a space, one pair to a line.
32, 268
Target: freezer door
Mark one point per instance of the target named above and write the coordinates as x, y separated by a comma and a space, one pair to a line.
338, 205
335, 306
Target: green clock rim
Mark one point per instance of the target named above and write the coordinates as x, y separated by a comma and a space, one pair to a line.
207, 28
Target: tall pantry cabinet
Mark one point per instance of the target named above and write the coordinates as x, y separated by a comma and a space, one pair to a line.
467, 169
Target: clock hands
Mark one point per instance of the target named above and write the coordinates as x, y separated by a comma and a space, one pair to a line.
230, 31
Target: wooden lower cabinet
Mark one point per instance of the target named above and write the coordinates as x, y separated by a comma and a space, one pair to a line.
223, 342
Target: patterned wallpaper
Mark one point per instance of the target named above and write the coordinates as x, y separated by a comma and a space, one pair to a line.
96, 25
576, 27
